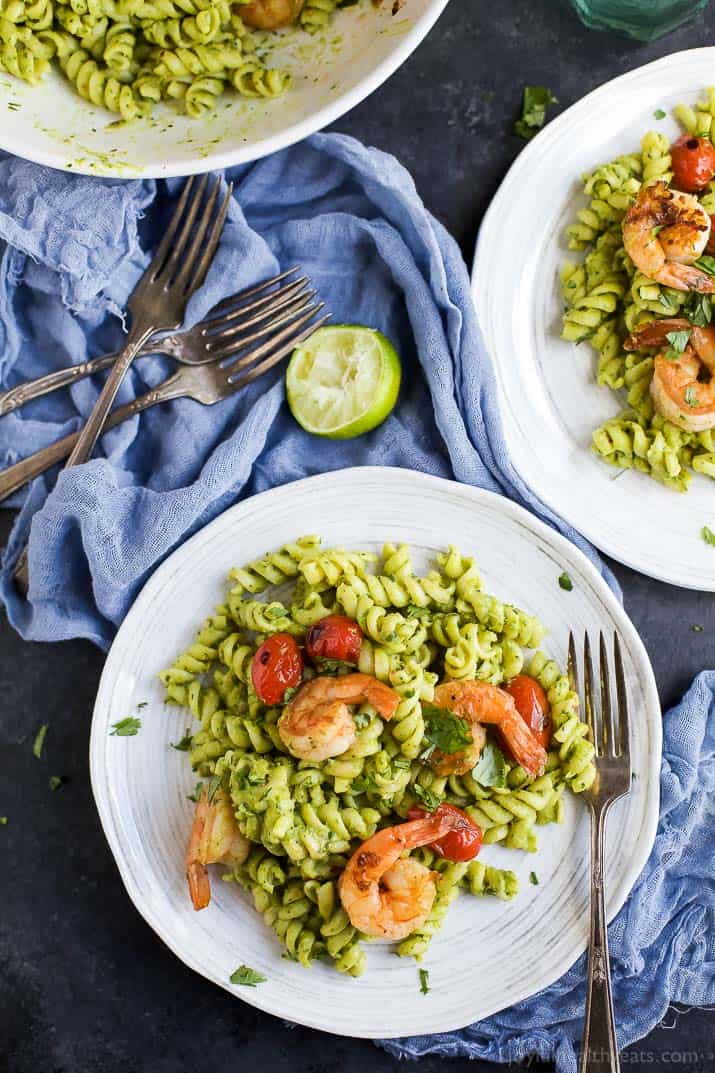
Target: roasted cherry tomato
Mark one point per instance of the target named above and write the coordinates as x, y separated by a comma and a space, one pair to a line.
460, 844
693, 163
335, 637
276, 666
533, 706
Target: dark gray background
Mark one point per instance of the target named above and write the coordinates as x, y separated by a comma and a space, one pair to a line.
85, 986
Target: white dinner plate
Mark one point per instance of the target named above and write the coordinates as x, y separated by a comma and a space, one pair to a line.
489, 954
549, 398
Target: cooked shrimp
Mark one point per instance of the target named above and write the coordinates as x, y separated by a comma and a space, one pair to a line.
214, 839
387, 895
318, 722
480, 703
682, 388
664, 233
270, 14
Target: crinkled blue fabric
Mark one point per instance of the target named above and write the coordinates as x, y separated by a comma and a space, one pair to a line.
662, 943
71, 250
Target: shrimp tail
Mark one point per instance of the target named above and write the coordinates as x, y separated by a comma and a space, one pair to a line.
654, 333
197, 875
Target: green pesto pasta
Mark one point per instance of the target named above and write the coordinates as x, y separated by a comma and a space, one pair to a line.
607, 297
298, 813
128, 55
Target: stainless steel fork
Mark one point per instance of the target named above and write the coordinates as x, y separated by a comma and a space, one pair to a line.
158, 302
205, 383
610, 734
193, 346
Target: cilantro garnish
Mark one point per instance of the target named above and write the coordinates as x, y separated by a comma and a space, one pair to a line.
424, 981
565, 582
444, 730
126, 728
535, 101
428, 799
491, 767
40, 740
708, 535
247, 977
184, 745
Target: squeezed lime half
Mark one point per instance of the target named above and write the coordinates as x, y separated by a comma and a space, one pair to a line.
343, 381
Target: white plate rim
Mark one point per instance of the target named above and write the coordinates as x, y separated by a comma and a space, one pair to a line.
570, 555
292, 134
560, 503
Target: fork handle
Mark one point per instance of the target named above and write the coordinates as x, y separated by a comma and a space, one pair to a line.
28, 468
599, 1049
33, 389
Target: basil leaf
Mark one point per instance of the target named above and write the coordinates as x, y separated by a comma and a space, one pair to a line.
491, 767
535, 101
214, 784
444, 730
40, 740
126, 728
679, 340
196, 795
424, 981
247, 977
698, 309
565, 582
659, 114
184, 745
707, 264
428, 799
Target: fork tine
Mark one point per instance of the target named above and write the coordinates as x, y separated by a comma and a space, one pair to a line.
261, 308
624, 735
273, 359
588, 694
287, 333
176, 251
607, 734
220, 353
165, 245
183, 258
240, 296
572, 664
195, 272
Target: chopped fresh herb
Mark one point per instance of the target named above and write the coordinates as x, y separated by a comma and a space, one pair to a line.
247, 977
274, 611
418, 612
361, 720
126, 728
698, 309
289, 694
697, 629
3, 821
708, 535
402, 762
491, 767
565, 582
533, 879
678, 341
39, 740
445, 730
707, 264
535, 101
659, 114
196, 795
655, 231
184, 745
691, 399
424, 981
142, 704
56, 781
214, 784
363, 783
428, 799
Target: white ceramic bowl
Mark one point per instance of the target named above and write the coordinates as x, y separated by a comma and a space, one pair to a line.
332, 72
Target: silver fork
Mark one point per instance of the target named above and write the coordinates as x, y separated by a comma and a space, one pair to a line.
208, 383
158, 302
193, 346
610, 735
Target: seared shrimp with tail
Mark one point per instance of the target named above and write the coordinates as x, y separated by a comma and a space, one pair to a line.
682, 388
664, 233
483, 705
318, 722
215, 839
386, 895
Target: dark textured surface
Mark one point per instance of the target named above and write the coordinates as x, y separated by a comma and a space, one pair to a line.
85, 986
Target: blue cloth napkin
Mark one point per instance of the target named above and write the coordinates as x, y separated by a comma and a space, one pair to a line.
73, 248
